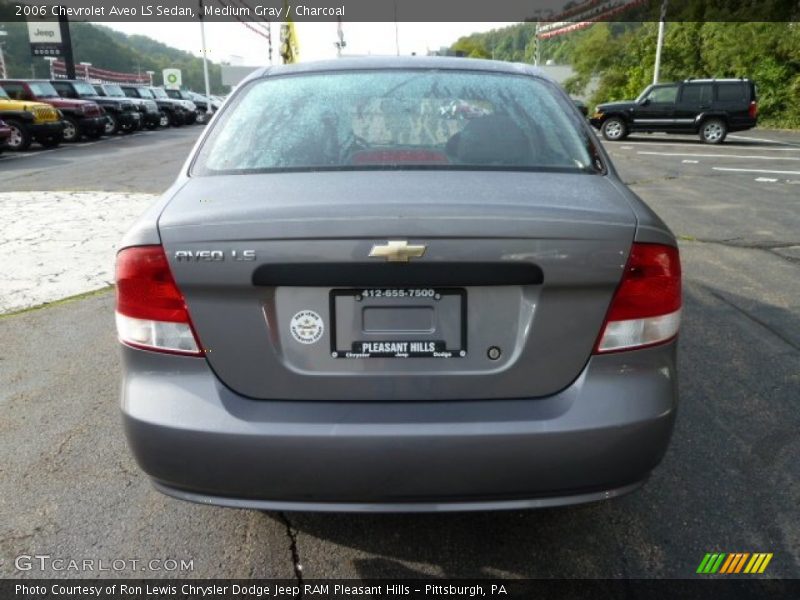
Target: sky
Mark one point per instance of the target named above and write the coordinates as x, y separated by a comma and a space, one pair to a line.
316, 39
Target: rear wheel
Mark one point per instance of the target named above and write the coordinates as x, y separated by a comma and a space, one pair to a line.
713, 131
20, 138
614, 129
72, 132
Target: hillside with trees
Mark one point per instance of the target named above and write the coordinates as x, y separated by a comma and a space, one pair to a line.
109, 49
621, 56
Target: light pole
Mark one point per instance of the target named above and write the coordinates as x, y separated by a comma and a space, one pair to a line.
396, 30
205, 59
86, 66
51, 60
660, 42
150, 75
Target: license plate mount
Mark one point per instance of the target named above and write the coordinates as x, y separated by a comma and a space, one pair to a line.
398, 322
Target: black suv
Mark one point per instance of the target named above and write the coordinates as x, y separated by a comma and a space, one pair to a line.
143, 99
121, 113
708, 107
181, 112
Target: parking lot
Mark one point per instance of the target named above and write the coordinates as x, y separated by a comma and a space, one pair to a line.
730, 481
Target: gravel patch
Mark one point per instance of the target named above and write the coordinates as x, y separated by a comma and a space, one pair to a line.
59, 244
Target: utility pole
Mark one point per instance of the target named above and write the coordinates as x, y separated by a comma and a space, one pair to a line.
660, 42
3, 72
269, 40
340, 43
205, 59
66, 41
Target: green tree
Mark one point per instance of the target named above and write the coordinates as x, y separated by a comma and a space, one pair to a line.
471, 47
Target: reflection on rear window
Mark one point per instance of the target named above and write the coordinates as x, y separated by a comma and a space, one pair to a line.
396, 119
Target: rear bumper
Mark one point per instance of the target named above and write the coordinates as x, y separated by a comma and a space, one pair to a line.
598, 438
742, 124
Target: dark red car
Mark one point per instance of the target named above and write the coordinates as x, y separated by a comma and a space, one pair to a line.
5, 133
81, 117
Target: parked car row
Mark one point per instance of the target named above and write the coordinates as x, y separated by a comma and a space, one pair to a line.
63, 110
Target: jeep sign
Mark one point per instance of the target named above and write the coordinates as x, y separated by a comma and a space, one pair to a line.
45, 37
172, 79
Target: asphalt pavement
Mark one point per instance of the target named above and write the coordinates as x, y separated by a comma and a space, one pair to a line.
144, 161
730, 481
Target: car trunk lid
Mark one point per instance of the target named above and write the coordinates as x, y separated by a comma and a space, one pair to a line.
281, 288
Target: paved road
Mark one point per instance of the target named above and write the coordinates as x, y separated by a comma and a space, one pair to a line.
145, 161
730, 481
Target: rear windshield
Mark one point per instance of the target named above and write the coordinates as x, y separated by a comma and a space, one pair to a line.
145, 93
159, 93
732, 92
397, 119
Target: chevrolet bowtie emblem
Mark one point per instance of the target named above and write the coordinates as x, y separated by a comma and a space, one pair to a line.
396, 251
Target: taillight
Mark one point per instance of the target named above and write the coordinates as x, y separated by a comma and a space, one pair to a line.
151, 311
753, 109
646, 308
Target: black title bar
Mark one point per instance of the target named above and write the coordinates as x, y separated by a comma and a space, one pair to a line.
544, 11
700, 588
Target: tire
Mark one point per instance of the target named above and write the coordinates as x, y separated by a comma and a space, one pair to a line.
112, 124
72, 132
20, 138
164, 119
614, 129
52, 141
713, 131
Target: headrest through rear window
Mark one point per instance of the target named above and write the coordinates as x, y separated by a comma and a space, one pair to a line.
491, 140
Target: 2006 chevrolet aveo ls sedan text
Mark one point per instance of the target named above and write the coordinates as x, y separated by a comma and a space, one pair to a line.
355, 298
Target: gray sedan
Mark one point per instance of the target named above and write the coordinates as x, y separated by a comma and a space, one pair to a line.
352, 301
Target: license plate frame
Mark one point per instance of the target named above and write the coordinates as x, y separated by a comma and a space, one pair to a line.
416, 348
